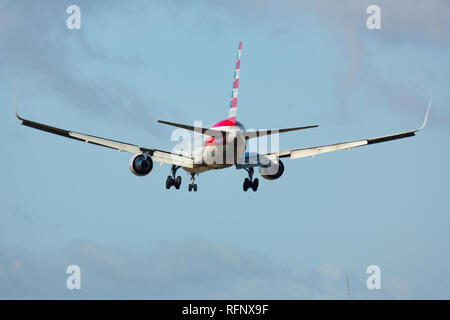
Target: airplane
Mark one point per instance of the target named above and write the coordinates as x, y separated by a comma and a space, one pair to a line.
225, 145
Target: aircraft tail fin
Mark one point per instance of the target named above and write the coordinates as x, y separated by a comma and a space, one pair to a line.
234, 91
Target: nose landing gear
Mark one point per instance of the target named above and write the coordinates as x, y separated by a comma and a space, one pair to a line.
249, 182
192, 185
172, 180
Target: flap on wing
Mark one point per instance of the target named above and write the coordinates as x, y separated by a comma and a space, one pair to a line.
256, 160
121, 146
171, 158
300, 153
312, 151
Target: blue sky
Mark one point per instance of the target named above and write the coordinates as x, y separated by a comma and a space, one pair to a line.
64, 202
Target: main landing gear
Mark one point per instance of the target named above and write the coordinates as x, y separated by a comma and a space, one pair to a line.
192, 185
176, 181
171, 180
249, 182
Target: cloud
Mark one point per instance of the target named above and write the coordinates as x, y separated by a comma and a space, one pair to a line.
189, 269
422, 23
35, 43
32, 42
404, 20
330, 271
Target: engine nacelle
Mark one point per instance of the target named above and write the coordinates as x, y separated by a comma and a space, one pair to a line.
272, 172
141, 165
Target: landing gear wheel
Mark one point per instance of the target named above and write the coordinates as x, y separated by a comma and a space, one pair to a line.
249, 182
173, 180
169, 182
255, 184
178, 182
192, 185
246, 184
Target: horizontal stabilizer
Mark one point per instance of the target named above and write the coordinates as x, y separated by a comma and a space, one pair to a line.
260, 133
205, 131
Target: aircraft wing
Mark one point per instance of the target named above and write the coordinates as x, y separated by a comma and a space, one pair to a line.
158, 155
264, 159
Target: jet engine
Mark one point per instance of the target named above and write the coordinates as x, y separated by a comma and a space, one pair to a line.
141, 165
272, 172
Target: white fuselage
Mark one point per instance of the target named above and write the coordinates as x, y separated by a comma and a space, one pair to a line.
217, 153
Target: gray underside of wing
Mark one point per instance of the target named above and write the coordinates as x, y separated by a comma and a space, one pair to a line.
158, 155
258, 160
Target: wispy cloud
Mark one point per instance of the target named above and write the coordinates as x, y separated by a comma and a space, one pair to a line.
421, 23
34, 42
403, 22
190, 269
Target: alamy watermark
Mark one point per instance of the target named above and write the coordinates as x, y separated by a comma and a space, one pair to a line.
227, 146
374, 280
73, 282
374, 19
74, 20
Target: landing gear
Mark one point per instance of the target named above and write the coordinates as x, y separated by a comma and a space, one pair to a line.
255, 184
192, 185
249, 182
169, 182
178, 182
173, 180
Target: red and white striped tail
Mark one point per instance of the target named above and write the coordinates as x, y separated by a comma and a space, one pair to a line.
234, 91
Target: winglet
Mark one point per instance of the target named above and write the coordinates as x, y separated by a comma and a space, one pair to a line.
15, 105
426, 117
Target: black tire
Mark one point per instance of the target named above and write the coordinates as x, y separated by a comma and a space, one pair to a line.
195, 187
178, 182
169, 182
255, 184
246, 184
190, 187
